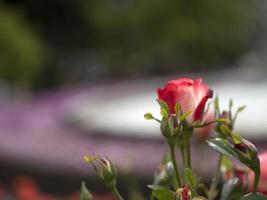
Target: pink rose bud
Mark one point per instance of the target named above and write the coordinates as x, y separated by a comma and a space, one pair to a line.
103, 167
183, 193
192, 95
246, 147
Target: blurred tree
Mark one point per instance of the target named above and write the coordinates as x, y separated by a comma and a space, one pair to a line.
98, 39
157, 36
22, 52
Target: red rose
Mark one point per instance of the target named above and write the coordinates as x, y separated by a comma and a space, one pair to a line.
262, 187
192, 95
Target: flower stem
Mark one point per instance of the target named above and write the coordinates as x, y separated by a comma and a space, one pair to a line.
188, 154
182, 150
116, 193
215, 179
173, 157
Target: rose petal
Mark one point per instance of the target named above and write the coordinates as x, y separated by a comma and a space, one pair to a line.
198, 114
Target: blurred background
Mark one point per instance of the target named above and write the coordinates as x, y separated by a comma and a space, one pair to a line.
76, 78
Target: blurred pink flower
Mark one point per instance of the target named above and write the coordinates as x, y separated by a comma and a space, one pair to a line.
205, 132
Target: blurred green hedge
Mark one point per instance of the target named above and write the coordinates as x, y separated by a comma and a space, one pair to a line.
146, 34
122, 38
22, 52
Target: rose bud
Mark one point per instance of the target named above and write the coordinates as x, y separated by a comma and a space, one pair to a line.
262, 187
103, 167
183, 193
247, 147
191, 95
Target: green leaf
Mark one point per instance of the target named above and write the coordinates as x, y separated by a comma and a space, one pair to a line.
254, 196
222, 146
164, 112
226, 130
237, 139
185, 115
85, 193
148, 116
161, 193
229, 188
191, 178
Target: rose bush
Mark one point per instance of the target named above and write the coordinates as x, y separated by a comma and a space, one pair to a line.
183, 111
192, 95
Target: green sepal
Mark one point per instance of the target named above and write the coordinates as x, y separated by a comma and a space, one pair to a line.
216, 104
109, 172
237, 139
164, 112
240, 109
191, 180
184, 116
177, 108
163, 105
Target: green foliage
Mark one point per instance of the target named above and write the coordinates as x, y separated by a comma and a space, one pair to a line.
85, 193
231, 190
22, 53
161, 193
254, 196
191, 180
163, 106
165, 175
138, 34
223, 147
